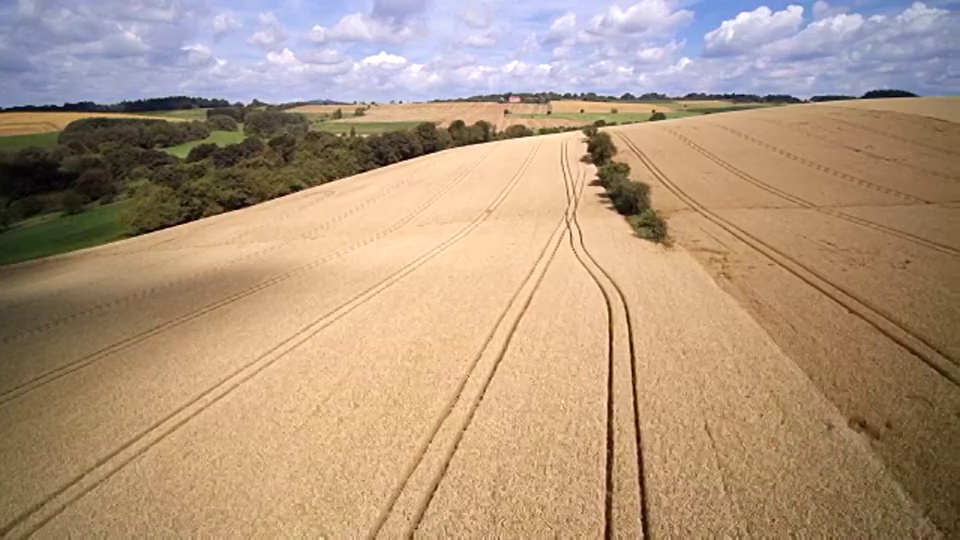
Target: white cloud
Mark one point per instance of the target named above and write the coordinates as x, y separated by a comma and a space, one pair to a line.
645, 17
480, 40
223, 24
751, 29
270, 35
384, 60
390, 21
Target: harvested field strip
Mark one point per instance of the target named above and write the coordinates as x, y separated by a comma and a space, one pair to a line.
918, 346
610, 291
820, 167
65, 369
35, 517
880, 157
543, 261
942, 248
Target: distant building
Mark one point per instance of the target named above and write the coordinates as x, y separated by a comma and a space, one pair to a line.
514, 99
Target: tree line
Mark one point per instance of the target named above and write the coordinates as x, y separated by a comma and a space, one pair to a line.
103, 159
546, 97
169, 103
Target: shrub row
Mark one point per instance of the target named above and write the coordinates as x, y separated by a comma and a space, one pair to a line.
631, 199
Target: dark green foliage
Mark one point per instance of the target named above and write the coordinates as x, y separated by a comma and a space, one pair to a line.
30, 171
629, 198
72, 203
430, 138
171, 103
516, 131
612, 172
6, 216
830, 97
590, 130
92, 133
222, 122
26, 207
657, 116
601, 149
632, 199
650, 225
201, 152
237, 113
874, 94
272, 123
285, 146
95, 184
154, 207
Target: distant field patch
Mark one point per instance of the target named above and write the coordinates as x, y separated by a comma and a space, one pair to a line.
582, 119
363, 128
182, 114
576, 106
23, 123
51, 234
16, 142
220, 138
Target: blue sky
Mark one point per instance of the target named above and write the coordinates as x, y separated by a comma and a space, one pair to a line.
53, 51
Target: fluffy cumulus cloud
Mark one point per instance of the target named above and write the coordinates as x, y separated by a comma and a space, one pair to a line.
107, 50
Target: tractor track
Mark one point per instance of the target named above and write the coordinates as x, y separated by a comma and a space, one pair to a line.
54, 503
903, 235
937, 360
823, 168
51, 375
575, 235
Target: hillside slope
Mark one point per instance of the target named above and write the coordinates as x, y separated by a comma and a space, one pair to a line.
473, 343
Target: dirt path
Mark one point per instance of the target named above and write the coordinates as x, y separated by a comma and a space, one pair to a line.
471, 343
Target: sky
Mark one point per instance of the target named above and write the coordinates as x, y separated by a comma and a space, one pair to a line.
52, 51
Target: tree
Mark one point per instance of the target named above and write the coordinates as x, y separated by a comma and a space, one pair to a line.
94, 184
628, 97
201, 152
874, 94
285, 146
657, 116
72, 203
337, 114
222, 122
601, 149
360, 111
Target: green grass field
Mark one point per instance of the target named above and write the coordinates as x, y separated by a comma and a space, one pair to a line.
16, 142
363, 128
220, 138
50, 234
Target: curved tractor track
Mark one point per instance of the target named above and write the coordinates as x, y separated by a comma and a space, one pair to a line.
474, 344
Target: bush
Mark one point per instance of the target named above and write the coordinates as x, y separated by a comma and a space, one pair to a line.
629, 198
272, 123
26, 207
72, 203
201, 152
516, 131
337, 114
360, 111
154, 207
237, 113
590, 131
95, 184
601, 149
657, 116
650, 225
874, 94
6, 218
611, 172
222, 122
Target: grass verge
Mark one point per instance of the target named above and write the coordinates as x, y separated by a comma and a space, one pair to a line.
16, 142
220, 138
51, 234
